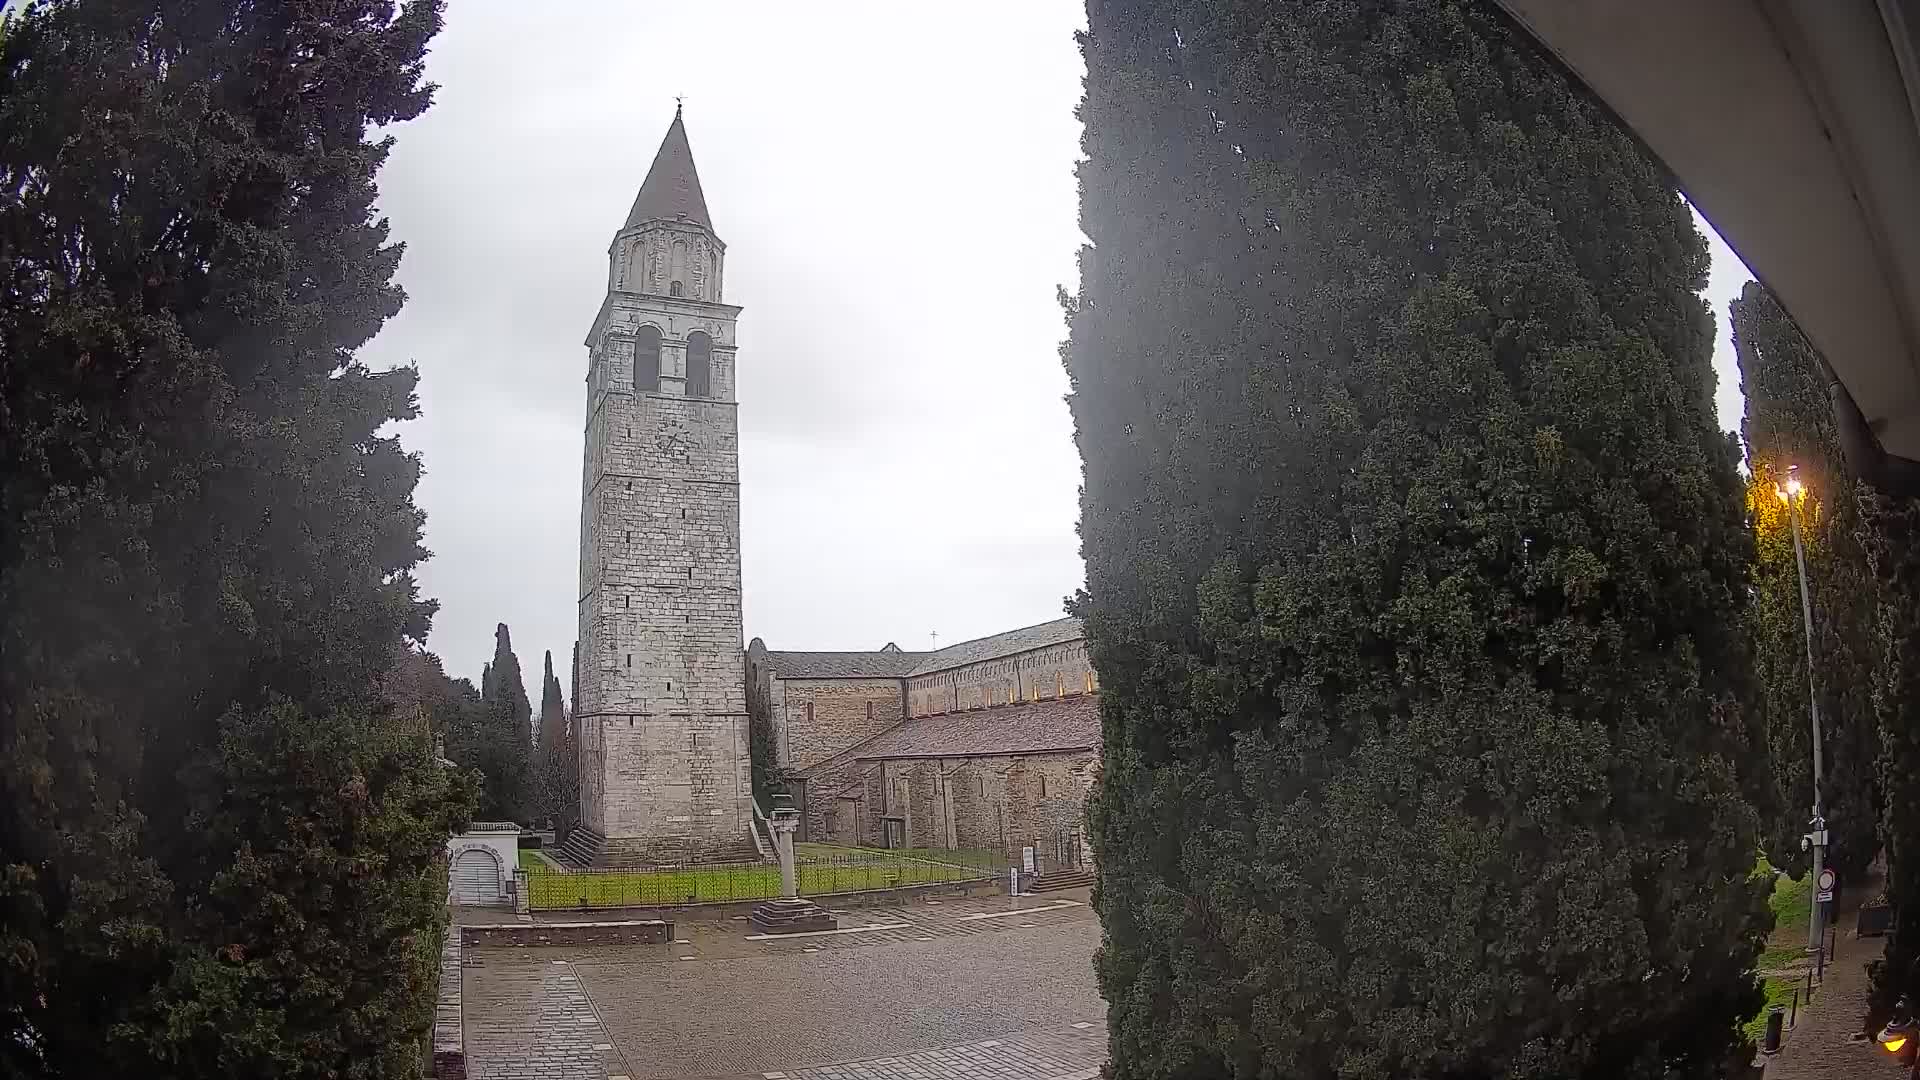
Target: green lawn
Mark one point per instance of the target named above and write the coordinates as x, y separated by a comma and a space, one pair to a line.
1778, 992
819, 876
1792, 902
1789, 902
1779, 957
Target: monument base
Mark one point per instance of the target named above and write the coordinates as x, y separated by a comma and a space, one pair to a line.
791, 915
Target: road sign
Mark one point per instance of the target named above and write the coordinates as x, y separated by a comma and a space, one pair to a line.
1823, 896
1825, 883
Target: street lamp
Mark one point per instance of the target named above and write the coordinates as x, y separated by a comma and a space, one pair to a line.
1897, 1038
1816, 840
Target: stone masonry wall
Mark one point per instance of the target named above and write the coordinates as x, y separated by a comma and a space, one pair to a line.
1046, 799
818, 718
662, 692
830, 818
1052, 671
980, 804
995, 803
926, 815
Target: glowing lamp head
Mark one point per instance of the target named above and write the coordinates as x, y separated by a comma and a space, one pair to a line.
1897, 1037
1791, 489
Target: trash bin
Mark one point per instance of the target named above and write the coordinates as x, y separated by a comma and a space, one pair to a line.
1776, 1022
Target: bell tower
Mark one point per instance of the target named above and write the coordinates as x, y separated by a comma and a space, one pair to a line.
662, 714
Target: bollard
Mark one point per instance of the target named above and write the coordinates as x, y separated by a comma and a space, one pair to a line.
1793, 1012
1776, 1018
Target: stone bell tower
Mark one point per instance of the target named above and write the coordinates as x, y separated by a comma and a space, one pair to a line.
662, 713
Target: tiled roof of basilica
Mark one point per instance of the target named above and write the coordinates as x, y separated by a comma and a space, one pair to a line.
842, 665
1026, 727
894, 664
987, 648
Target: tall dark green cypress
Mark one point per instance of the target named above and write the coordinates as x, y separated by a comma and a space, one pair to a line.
506, 753
556, 791
219, 845
1893, 551
1789, 422
553, 711
1415, 559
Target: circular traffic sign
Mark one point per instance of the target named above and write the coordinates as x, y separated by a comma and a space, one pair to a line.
1826, 879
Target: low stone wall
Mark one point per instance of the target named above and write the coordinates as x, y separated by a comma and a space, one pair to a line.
449, 1031
612, 932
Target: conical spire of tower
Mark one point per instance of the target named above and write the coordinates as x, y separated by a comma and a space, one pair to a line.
672, 187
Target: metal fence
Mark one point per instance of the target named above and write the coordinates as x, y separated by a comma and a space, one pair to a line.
585, 890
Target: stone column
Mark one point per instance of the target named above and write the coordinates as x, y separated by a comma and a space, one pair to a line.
791, 914
784, 822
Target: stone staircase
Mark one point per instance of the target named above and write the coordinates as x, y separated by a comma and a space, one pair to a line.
762, 834
584, 848
1056, 880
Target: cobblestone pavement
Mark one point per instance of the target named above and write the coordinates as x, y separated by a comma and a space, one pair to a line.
1075, 1054
922, 993
1823, 1045
540, 1024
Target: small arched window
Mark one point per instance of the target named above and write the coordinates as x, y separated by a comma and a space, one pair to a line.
646, 360
699, 365
678, 269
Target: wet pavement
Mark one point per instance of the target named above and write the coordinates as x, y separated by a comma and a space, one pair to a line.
996, 988
1826, 1043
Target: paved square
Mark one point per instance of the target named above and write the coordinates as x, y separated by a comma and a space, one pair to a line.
943, 997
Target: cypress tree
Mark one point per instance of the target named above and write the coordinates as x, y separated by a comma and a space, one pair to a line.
506, 747
1893, 552
553, 766
219, 847
1789, 421
553, 712
570, 813
1415, 560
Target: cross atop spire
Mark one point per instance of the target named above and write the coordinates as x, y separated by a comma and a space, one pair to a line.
672, 187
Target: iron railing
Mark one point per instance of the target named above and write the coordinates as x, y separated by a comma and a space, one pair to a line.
711, 883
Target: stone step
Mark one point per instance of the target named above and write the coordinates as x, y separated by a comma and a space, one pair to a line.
586, 849
792, 915
583, 848
1055, 880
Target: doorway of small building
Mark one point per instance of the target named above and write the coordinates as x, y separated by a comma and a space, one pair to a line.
893, 832
476, 877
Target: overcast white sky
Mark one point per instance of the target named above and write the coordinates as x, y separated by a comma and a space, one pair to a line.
894, 184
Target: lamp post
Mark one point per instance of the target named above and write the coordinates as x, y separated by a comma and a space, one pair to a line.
1816, 840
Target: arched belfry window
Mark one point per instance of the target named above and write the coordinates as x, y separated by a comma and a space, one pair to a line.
646, 360
677, 271
699, 365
